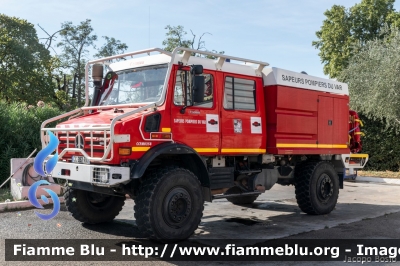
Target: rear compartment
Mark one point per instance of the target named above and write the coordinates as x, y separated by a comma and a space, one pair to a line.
307, 117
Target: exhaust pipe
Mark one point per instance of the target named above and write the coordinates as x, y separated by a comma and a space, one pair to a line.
97, 76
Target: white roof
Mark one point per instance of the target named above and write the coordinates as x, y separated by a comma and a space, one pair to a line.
141, 61
277, 76
243, 69
271, 76
239, 68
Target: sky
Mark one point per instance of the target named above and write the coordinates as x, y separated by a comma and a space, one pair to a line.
277, 32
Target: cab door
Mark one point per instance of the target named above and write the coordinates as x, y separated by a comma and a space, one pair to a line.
198, 124
243, 124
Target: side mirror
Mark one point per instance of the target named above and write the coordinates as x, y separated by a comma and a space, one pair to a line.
196, 69
198, 83
198, 89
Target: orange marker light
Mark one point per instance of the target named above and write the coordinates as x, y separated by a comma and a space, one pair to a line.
124, 151
161, 135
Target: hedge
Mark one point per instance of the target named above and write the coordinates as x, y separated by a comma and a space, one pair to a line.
20, 132
382, 144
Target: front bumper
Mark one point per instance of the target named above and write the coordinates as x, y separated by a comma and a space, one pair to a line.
100, 175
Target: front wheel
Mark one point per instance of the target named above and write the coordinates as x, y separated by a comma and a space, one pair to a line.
169, 204
92, 208
316, 186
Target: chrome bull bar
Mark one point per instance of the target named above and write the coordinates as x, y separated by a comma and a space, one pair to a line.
85, 132
106, 129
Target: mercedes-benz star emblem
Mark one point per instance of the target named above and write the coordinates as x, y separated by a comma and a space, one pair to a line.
79, 142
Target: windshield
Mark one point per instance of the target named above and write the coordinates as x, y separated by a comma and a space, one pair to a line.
138, 85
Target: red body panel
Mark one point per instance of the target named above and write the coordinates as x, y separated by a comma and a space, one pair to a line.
251, 139
325, 120
193, 128
341, 113
190, 128
303, 121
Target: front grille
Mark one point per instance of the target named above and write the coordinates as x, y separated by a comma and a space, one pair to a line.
94, 142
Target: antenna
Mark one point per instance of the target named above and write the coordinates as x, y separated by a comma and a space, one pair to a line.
149, 26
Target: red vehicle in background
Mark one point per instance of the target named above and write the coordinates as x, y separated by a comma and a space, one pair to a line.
173, 130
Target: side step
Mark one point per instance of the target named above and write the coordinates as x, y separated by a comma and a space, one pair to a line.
236, 195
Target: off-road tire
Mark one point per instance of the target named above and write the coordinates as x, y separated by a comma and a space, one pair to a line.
316, 187
169, 204
240, 200
84, 206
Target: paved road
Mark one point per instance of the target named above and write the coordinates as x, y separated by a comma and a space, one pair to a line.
364, 210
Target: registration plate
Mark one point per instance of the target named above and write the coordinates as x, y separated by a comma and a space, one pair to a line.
80, 159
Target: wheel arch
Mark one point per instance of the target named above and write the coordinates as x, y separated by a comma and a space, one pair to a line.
187, 157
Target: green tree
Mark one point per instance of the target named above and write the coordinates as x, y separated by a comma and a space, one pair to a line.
373, 76
344, 31
176, 37
75, 43
25, 64
111, 47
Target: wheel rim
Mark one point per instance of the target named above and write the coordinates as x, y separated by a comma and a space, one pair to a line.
97, 201
324, 187
177, 207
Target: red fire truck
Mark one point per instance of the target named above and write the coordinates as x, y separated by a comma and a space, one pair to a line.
173, 130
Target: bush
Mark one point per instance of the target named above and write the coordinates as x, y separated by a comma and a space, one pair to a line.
20, 132
382, 144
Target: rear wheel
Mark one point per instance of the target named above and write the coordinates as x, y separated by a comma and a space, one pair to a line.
91, 207
317, 187
169, 204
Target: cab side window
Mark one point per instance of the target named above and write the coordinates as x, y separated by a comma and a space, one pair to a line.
182, 89
239, 94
